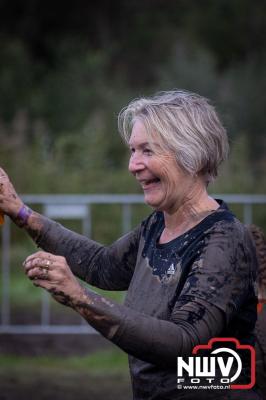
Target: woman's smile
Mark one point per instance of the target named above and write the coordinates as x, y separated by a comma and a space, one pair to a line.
149, 183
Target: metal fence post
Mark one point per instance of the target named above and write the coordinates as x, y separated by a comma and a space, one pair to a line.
127, 215
248, 214
86, 224
6, 273
45, 312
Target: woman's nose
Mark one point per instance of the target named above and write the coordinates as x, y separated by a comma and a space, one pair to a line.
135, 163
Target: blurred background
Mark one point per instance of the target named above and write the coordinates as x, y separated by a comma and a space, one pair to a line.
66, 70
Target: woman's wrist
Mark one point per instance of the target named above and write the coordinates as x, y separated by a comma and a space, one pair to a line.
22, 216
79, 296
72, 295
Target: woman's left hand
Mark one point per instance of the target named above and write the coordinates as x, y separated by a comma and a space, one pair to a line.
53, 274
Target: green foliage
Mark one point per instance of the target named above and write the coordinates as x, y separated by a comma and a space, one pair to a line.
60, 92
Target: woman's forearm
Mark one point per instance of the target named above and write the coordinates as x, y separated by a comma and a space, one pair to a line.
106, 267
145, 337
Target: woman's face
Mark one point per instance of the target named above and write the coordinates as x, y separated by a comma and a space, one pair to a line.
166, 186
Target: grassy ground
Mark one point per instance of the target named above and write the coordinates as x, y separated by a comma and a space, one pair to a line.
101, 362
99, 376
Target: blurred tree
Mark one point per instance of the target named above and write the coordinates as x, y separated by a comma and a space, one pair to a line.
64, 64
233, 30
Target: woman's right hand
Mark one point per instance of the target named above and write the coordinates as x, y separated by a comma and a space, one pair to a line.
10, 203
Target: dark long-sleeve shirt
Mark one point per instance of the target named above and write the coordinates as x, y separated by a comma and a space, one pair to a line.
179, 294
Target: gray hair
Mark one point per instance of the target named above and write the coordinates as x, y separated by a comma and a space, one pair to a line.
186, 124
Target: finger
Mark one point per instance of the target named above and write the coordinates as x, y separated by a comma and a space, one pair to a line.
36, 282
3, 178
2, 172
40, 254
38, 273
37, 262
41, 283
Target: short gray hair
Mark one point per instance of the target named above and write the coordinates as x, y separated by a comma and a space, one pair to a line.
186, 124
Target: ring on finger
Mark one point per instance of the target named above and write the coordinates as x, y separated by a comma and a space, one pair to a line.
45, 273
47, 265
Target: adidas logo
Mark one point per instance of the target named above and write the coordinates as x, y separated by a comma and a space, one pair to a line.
171, 270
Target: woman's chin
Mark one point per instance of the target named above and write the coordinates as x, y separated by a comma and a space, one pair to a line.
152, 202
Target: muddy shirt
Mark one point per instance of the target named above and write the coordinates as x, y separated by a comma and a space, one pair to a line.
261, 349
179, 294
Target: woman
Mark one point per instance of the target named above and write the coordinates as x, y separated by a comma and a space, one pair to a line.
189, 268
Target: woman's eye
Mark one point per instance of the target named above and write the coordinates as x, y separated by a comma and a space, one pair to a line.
147, 152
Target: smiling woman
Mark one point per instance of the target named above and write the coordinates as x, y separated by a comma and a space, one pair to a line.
189, 268
176, 141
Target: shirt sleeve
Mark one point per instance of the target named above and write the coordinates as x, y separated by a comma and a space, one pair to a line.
224, 273
106, 267
154, 340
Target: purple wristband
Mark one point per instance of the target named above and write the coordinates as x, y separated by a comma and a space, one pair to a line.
23, 215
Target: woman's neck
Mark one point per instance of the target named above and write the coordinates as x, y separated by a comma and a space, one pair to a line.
192, 210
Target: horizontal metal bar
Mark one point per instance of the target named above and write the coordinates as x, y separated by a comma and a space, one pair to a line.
47, 329
241, 198
83, 199
128, 198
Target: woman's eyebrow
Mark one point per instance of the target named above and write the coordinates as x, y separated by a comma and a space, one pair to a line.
144, 144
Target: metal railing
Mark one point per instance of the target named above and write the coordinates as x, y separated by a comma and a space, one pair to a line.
79, 207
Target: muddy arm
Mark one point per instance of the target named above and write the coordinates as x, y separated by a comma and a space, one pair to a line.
106, 267
148, 338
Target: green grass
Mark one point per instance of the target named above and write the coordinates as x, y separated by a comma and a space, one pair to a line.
101, 362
